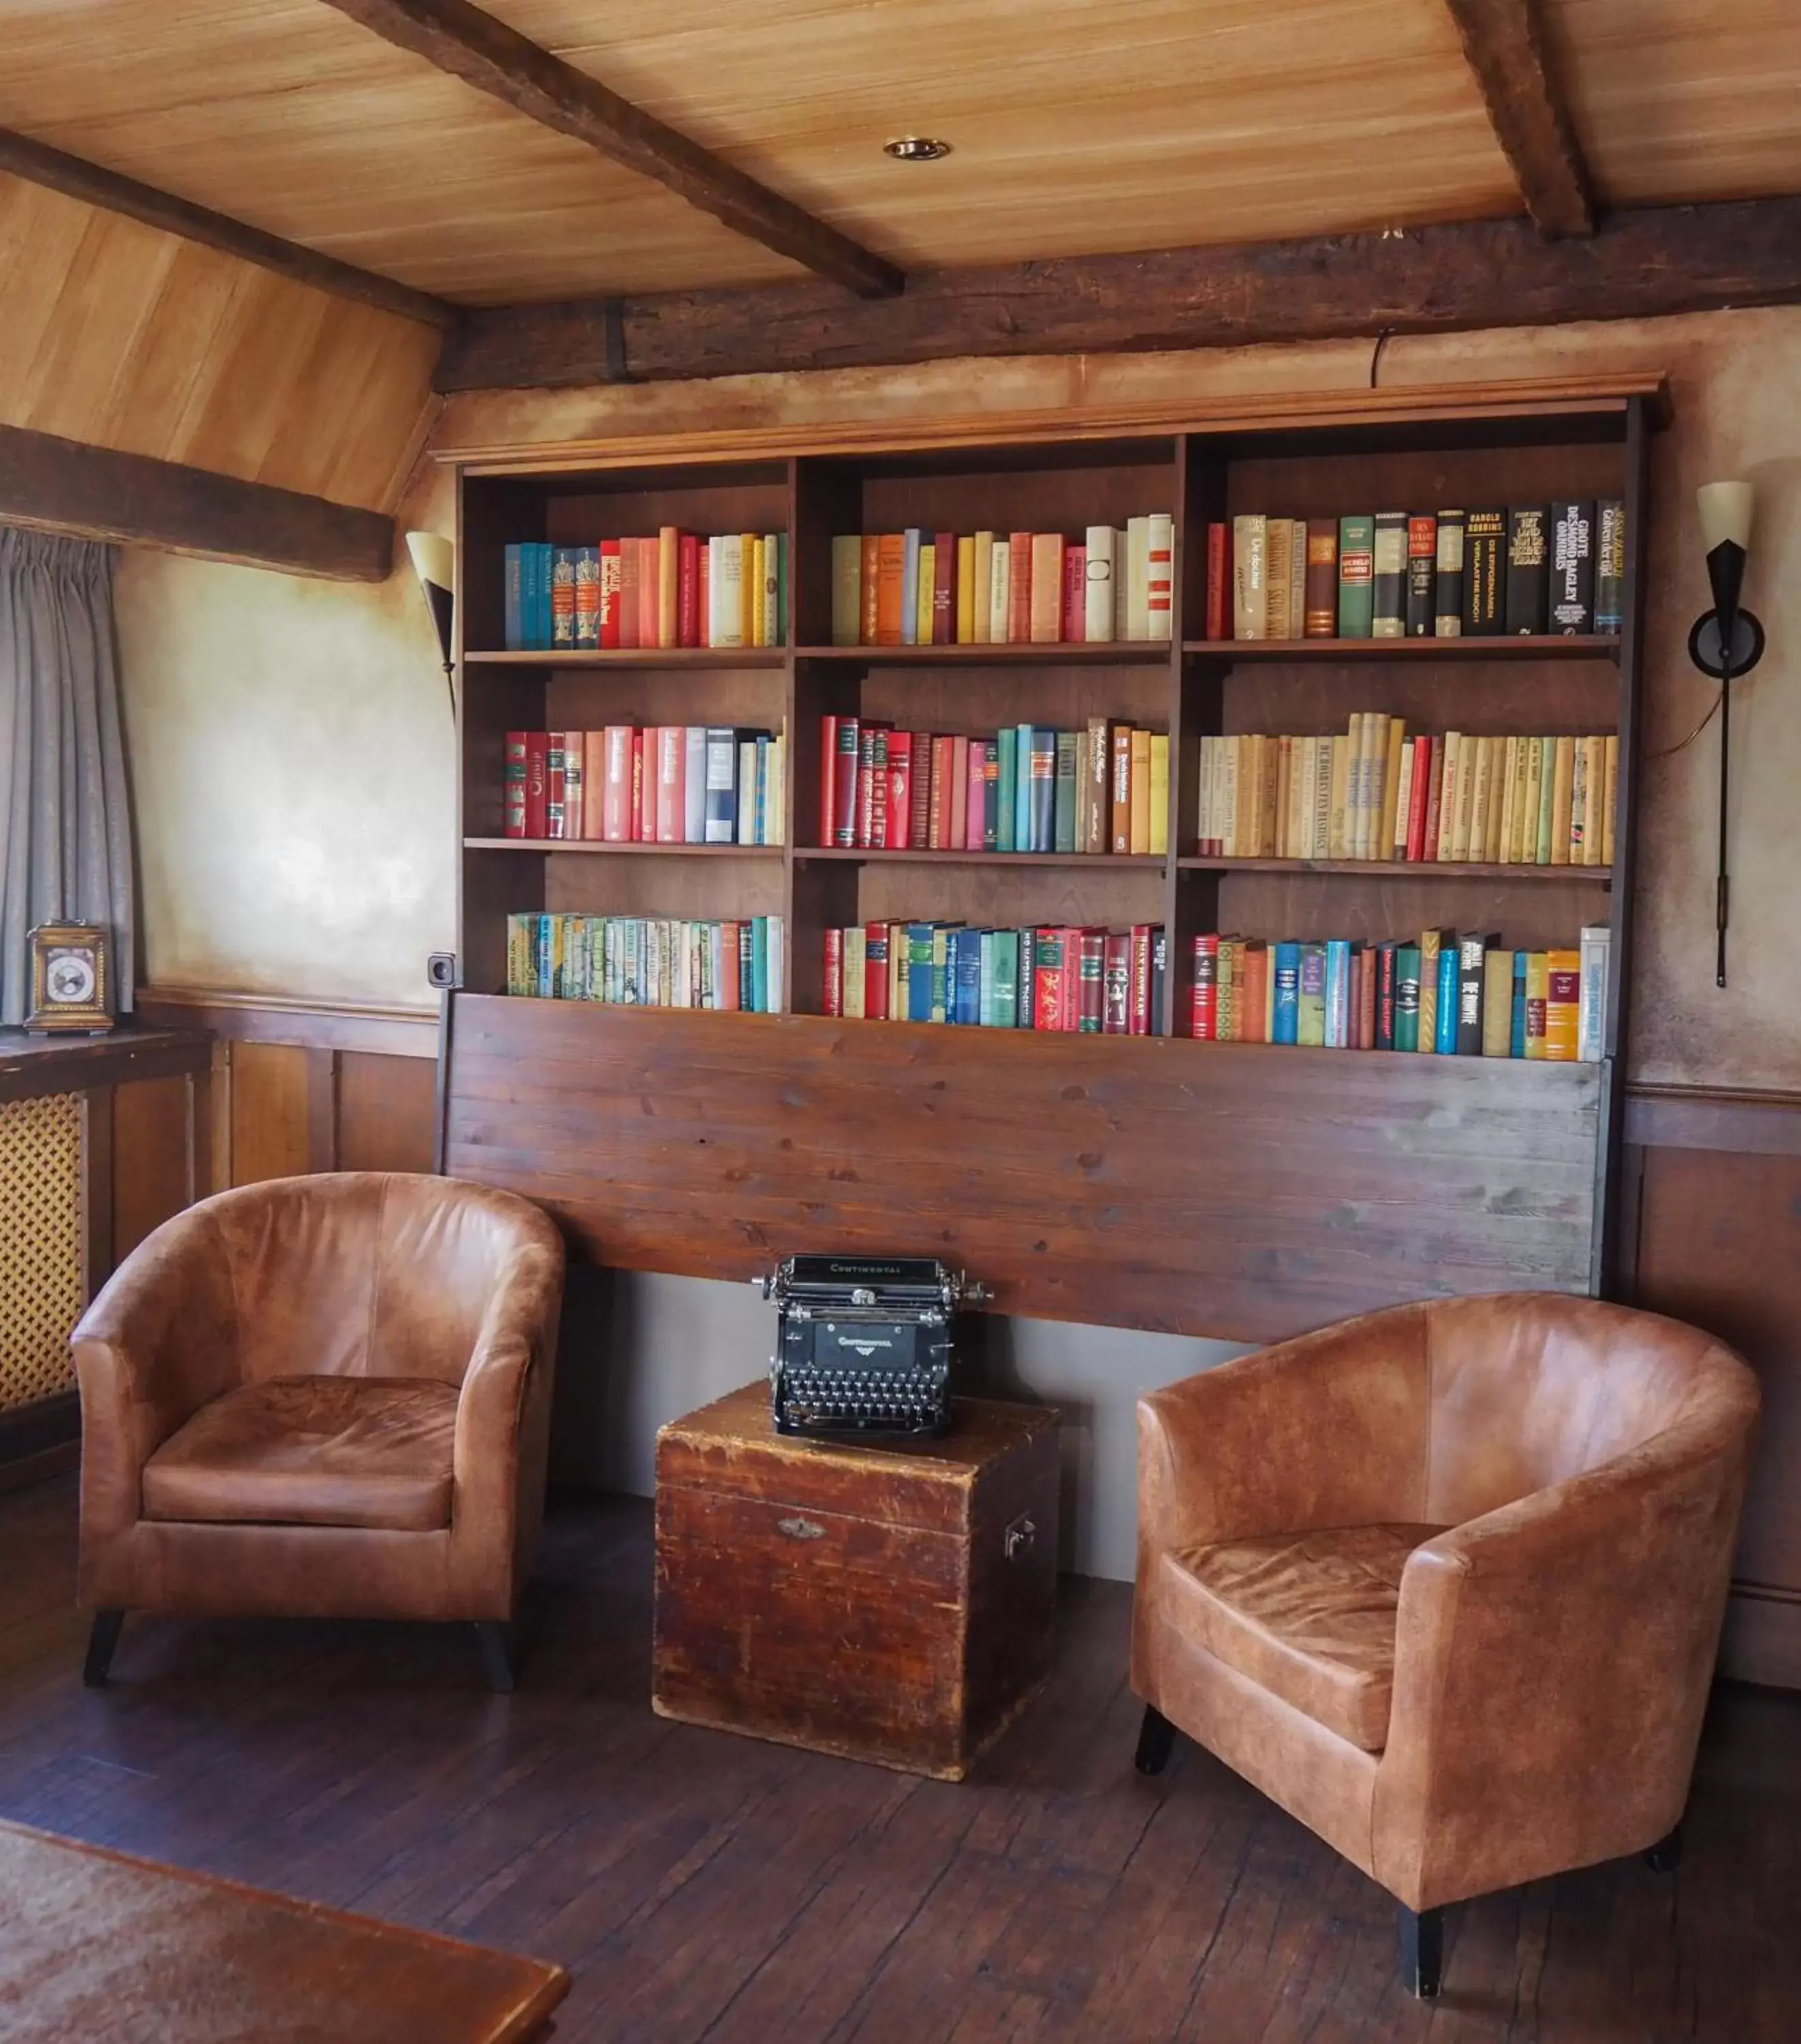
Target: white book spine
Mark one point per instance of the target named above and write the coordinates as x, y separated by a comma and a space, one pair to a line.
728, 592
747, 791
694, 785
774, 941
1000, 592
1591, 994
1097, 592
1160, 572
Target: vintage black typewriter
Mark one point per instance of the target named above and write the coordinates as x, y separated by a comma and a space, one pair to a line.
865, 1345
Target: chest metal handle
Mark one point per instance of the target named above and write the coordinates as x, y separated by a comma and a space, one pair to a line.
800, 1529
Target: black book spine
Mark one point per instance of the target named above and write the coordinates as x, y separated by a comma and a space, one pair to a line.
1469, 958
1485, 534
1573, 569
1388, 609
1159, 972
1528, 568
1422, 561
1448, 616
1610, 567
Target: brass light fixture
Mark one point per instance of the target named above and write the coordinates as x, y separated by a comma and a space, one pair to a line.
916, 149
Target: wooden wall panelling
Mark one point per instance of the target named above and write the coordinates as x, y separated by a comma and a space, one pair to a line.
386, 1111
160, 1164
1177, 1183
272, 1131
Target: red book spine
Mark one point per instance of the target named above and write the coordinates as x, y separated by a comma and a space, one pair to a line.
1117, 1012
1141, 979
828, 764
900, 813
650, 557
975, 796
1419, 794
1366, 1000
609, 592
513, 821
643, 791
687, 592
875, 972
626, 608
1069, 983
919, 832
615, 804
537, 783
1435, 780
593, 783
1217, 581
1091, 982
956, 810
1204, 1006
725, 995
944, 756
703, 594
1047, 980
865, 788
831, 990
844, 784
1075, 594
1020, 588
944, 588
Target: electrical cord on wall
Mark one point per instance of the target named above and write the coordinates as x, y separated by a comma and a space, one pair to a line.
1682, 744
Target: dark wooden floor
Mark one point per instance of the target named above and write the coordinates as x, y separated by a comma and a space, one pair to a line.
700, 1886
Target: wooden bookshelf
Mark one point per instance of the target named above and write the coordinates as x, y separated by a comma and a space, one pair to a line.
1521, 444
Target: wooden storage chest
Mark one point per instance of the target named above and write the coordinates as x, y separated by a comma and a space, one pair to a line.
889, 1605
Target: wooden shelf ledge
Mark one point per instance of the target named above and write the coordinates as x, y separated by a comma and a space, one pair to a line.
706, 659
599, 847
1093, 862
1363, 651
1399, 868
1099, 653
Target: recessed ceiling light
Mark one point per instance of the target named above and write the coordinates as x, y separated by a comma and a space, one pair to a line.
917, 149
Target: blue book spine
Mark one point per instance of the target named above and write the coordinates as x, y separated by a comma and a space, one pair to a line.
760, 964
512, 594
1338, 993
919, 971
1516, 1031
1022, 736
1286, 1012
967, 1008
1043, 833
546, 958
722, 778
760, 835
538, 562
910, 588
1445, 1038
1007, 753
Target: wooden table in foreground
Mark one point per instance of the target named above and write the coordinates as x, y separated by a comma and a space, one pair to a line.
891, 1604
98, 1948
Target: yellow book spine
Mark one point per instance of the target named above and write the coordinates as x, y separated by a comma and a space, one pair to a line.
1562, 778
1385, 846
1337, 841
922, 608
749, 582
966, 590
669, 563
1595, 800
1610, 791
1159, 792
980, 595
1510, 805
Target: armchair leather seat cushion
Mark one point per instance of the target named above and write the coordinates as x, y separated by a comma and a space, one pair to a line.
1308, 1616
361, 1451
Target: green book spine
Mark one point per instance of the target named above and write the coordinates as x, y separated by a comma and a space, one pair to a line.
1006, 1002
1406, 997
1356, 573
984, 993
1063, 826
1008, 752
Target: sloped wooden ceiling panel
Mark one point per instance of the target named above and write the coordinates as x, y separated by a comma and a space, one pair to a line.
124, 337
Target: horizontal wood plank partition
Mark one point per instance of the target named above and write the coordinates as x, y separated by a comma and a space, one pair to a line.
1172, 1186
62, 485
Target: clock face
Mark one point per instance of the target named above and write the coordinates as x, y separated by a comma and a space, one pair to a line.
69, 978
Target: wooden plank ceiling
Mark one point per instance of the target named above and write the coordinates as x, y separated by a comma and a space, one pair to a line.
1077, 128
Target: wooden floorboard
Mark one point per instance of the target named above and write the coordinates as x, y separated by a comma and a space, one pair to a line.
704, 1889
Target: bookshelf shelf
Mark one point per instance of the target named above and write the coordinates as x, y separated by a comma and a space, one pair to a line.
1098, 653
589, 848
1250, 1114
1379, 652
697, 659
1400, 869
1097, 862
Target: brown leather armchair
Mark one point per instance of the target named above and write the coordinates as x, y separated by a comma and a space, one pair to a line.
1447, 1583
321, 1396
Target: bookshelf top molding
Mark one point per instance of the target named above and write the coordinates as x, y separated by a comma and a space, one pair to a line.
1423, 405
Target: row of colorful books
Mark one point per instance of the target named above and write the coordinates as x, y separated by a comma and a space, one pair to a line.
1451, 995
916, 588
668, 589
1529, 568
647, 961
656, 784
1376, 791
1030, 788
1087, 981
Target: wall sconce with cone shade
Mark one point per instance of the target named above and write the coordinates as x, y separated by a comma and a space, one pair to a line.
1727, 642
434, 562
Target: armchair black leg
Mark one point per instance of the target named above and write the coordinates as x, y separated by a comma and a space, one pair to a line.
1665, 1856
1423, 1951
1156, 1736
498, 1656
101, 1642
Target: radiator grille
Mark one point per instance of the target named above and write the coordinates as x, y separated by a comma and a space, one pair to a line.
41, 1245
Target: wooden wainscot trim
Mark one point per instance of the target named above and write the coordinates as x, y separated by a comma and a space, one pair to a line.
1282, 412
60, 486
31, 1066
1744, 1120
310, 1025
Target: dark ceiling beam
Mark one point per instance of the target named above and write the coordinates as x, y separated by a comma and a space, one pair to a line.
1499, 273
77, 178
1504, 43
494, 58
60, 486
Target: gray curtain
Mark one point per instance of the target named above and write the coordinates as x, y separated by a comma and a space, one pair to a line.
65, 825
